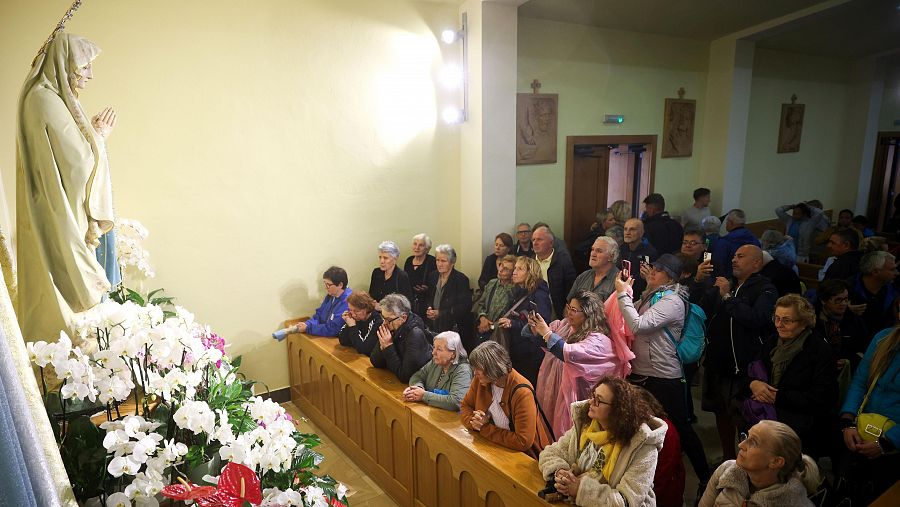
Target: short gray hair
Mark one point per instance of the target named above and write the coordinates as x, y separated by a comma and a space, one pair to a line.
771, 238
737, 216
491, 358
396, 304
390, 248
547, 229
612, 245
446, 250
423, 238
616, 233
454, 343
710, 224
873, 261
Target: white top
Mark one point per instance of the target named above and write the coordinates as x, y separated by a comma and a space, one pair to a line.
692, 216
497, 415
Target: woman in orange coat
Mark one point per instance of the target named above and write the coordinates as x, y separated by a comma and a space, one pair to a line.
500, 403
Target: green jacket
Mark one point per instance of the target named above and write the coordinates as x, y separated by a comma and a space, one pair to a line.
456, 382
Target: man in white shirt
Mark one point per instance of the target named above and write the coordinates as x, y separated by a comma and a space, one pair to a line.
692, 216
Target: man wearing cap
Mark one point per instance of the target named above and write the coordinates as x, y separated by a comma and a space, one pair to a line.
740, 312
663, 232
656, 321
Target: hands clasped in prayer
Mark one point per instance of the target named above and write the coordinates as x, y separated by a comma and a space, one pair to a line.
479, 419
413, 393
104, 122
385, 338
566, 482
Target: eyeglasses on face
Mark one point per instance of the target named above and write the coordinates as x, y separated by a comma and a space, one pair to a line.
787, 321
840, 301
329, 285
392, 319
752, 442
597, 401
690, 242
573, 309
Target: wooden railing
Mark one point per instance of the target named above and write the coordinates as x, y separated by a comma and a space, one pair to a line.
419, 455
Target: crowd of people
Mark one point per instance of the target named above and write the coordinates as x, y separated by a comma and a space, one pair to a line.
583, 371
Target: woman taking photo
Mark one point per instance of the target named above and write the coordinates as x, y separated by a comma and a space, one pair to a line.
449, 299
656, 321
532, 294
609, 455
769, 471
418, 266
386, 278
842, 329
580, 353
361, 323
444, 380
795, 374
500, 403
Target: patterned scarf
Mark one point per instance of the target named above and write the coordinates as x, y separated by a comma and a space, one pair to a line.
784, 353
609, 451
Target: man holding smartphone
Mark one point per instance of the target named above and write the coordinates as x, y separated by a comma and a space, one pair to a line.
637, 252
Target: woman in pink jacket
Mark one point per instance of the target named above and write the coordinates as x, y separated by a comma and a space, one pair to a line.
578, 353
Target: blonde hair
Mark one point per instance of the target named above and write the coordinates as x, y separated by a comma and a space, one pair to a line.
786, 443
621, 210
533, 274
885, 353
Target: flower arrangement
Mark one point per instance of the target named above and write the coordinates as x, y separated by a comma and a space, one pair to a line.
130, 251
193, 411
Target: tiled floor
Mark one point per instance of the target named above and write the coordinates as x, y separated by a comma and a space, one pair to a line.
363, 492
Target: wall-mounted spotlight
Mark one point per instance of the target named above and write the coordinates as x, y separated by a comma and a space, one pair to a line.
453, 76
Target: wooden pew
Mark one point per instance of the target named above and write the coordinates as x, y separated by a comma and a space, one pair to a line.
809, 274
420, 455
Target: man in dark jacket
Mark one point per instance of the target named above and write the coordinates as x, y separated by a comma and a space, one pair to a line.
556, 267
782, 277
661, 230
635, 250
844, 246
740, 313
727, 245
402, 345
873, 294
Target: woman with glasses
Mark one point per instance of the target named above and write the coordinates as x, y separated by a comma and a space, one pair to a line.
580, 352
361, 323
841, 328
769, 471
402, 346
444, 380
656, 320
326, 321
609, 455
795, 374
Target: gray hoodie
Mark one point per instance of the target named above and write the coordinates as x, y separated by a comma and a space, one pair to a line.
654, 351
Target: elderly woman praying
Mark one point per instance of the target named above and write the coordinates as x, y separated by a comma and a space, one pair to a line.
444, 380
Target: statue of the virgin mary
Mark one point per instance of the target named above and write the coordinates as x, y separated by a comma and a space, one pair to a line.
63, 191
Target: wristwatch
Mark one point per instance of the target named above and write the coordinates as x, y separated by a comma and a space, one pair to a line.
492, 326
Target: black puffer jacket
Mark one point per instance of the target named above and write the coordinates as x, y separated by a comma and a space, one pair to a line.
737, 326
409, 351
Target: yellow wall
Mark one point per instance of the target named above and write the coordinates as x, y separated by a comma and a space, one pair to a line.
597, 72
821, 169
261, 142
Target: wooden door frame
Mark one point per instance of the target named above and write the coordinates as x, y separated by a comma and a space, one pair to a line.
571, 141
876, 184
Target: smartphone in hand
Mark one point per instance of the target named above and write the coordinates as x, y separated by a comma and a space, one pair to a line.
707, 256
626, 268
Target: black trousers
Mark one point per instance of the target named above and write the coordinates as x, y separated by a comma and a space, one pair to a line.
672, 394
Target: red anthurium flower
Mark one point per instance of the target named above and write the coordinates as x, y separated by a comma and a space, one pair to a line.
187, 491
334, 502
236, 484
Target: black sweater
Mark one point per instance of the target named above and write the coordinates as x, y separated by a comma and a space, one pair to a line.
455, 309
398, 283
363, 336
418, 276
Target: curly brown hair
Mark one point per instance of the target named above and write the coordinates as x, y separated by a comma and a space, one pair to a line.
628, 409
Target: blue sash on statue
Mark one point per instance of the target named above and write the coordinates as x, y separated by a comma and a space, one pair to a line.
106, 256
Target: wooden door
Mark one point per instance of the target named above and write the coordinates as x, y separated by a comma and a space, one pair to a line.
589, 187
885, 179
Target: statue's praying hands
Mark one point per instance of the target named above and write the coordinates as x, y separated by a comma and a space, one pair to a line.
104, 122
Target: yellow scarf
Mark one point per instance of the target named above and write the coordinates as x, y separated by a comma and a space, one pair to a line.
601, 438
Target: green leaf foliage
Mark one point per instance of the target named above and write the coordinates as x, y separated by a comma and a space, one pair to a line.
84, 457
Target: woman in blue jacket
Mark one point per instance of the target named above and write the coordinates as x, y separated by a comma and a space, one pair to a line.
327, 320
874, 457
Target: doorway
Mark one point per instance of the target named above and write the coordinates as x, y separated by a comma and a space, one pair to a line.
885, 180
599, 171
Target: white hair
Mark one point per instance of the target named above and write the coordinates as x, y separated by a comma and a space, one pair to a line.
448, 251
390, 248
454, 343
423, 238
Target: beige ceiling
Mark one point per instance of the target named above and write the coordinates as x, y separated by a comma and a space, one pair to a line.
851, 29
